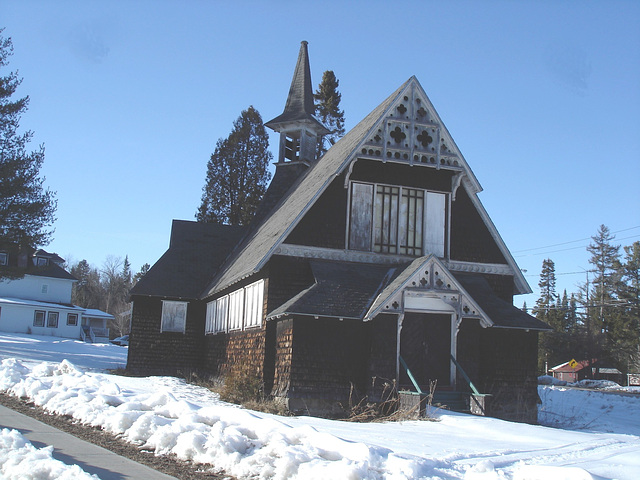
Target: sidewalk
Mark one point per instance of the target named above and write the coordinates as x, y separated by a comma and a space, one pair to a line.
73, 451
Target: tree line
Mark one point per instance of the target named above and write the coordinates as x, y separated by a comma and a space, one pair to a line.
106, 288
601, 321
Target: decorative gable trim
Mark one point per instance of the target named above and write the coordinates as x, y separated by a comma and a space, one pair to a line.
427, 285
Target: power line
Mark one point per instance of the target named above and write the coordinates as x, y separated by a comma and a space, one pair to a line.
565, 249
574, 241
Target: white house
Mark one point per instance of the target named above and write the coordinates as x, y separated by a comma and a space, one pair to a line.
40, 301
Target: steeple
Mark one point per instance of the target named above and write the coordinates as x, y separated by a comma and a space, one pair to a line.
299, 130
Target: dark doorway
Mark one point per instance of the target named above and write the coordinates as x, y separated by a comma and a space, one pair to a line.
425, 346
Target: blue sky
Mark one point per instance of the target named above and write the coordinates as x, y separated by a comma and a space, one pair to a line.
129, 98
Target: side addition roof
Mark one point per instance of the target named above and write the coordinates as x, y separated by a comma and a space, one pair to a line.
195, 252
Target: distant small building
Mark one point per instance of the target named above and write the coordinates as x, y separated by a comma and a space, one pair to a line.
574, 371
39, 301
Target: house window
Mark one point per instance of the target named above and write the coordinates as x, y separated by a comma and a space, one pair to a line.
236, 309
38, 318
42, 262
397, 220
222, 310
45, 288
174, 316
210, 322
253, 304
72, 319
3, 258
52, 319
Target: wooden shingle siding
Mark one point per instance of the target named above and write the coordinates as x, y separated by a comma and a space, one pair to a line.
288, 276
508, 371
329, 357
382, 359
372, 171
471, 240
325, 224
154, 352
283, 356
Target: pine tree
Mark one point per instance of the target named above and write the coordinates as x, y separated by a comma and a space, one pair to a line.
624, 326
548, 309
237, 173
327, 99
27, 209
604, 258
143, 271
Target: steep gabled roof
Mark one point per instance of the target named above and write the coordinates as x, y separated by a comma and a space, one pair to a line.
257, 249
405, 128
195, 252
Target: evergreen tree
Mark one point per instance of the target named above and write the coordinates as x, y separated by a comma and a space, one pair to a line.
327, 100
552, 346
27, 209
237, 173
87, 292
624, 326
605, 260
143, 271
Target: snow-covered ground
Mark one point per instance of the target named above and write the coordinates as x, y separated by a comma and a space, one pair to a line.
597, 434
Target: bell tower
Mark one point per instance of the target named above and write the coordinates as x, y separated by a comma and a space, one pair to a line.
299, 130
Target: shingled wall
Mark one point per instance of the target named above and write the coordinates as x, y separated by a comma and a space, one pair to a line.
152, 352
508, 371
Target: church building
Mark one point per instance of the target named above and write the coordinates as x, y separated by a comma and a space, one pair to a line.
373, 265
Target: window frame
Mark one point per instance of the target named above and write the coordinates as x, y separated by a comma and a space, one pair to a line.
166, 305
69, 316
4, 258
407, 198
53, 319
253, 304
35, 318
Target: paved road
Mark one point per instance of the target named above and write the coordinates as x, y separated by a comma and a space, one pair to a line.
73, 451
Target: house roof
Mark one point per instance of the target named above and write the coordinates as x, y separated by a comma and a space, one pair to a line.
257, 248
360, 291
502, 313
253, 253
195, 252
52, 270
340, 290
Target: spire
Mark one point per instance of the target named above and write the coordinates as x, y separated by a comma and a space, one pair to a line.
299, 129
299, 106
300, 100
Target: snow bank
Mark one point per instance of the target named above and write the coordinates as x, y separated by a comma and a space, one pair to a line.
165, 415
20, 459
234, 440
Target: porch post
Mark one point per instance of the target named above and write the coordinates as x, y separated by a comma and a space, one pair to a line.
399, 330
454, 349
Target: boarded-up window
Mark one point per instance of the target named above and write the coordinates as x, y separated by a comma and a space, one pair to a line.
174, 316
253, 296
385, 219
210, 322
361, 216
390, 219
222, 309
411, 221
436, 223
236, 309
